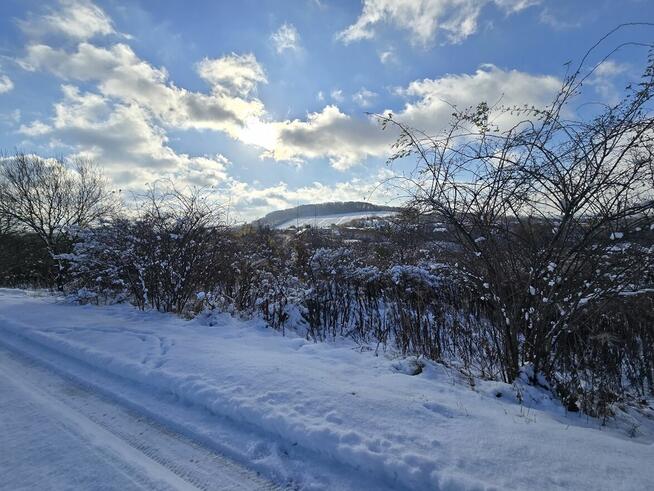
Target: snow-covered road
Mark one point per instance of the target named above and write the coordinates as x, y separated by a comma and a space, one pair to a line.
56, 434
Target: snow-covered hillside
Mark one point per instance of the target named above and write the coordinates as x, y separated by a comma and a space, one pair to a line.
323, 214
327, 221
328, 416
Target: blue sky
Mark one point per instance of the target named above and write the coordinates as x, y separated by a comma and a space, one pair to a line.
267, 101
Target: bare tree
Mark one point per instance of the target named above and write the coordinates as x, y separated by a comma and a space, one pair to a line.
47, 197
553, 213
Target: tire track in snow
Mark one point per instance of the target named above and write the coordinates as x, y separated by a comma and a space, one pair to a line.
163, 455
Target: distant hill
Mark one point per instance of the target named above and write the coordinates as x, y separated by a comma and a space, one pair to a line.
323, 214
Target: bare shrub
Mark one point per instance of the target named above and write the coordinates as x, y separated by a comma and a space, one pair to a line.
160, 258
551, 214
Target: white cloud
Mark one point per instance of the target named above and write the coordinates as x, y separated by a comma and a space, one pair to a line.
137, 102
133, 150
512, 6
125, 123
337, 95
388, 56
423, 18
35, 128
233, 74
434, 98
77, 19
204, 171
610, 68
118, 134
122, 75
347, 141
603, 80
87, 63
286, 38
330, 133
6, 84
558, 22
124, 139
124, 120
11, 118
364, 97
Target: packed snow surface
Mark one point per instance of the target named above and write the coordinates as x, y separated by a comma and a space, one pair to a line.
46, 448
57, 434
361, 421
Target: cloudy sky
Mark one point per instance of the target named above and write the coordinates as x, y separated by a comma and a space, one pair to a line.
267, 102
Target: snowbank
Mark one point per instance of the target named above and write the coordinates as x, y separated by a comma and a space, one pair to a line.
372, 414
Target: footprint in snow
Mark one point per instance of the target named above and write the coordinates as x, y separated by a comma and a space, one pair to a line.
260, 451
334, 418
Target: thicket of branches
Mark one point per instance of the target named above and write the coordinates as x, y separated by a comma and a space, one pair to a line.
311, 282
545, 262
397, 288
317, 284
157, 258
554, 217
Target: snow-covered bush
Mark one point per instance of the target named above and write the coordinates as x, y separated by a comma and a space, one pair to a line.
254, 276
415, 297
158, 259
551, 208
101, 262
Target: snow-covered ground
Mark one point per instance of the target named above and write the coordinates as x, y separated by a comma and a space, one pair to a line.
324, 416
56, 434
